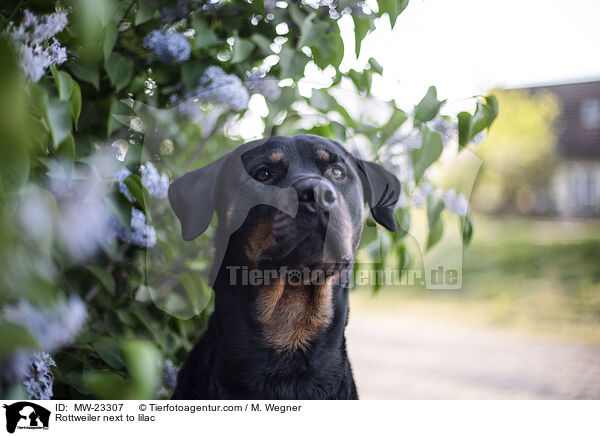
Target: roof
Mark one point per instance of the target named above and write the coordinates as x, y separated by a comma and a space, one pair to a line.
576, 140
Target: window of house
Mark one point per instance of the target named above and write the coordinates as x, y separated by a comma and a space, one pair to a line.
584, 188
590, 113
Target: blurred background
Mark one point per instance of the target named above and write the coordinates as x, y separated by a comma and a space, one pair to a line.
488, 113
525, 323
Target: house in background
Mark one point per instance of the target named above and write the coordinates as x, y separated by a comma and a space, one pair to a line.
576, 181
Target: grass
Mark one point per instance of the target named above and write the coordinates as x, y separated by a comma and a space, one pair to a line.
532, 275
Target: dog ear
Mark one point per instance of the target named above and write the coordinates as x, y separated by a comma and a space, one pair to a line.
192, 197
382, 190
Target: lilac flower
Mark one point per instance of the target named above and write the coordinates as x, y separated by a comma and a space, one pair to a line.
221, 88
120, 176
456, 202
33, 65
141, 234
53, 327
168, 46
420, 193
200, 113
83, 218
259, 83
444, 125
170, 374
47, 26
31, 40
58, 54
39, 379
479, 138
156, 183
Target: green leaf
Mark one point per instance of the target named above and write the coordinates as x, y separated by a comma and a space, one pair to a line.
119, 69
120, 208
66, 149
393, 8
242, 48
403, 220
103, 277
329, 50
106, 385
429, 152
110, 39
428, 107
297, 15
404, 257
75, 102
466, 225
292, 62
145, 11
62, 80
203, 36
191, 72
435, 206
396, 120
15, 337
263, 43
376, 66
197, 291
362, 25
259, 5
481, 119
492, 103
144, 364
109, 351
134, 184
58, 117
362, 80
464, 128
87, 72
312, 31
435, 234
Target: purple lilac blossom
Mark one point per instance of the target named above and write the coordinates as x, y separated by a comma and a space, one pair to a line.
141, 234
32, 37
259, 83
53, 327
156, 183
222, 88
39, 380
168, 46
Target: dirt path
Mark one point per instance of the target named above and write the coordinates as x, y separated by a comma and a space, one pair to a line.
395, 357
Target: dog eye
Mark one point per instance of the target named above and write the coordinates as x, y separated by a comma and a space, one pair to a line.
337, 172
263, 175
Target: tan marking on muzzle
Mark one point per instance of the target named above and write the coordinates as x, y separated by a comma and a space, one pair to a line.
291, 316
260, 240
229, 215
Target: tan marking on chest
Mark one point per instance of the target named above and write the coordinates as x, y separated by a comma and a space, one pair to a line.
292, 316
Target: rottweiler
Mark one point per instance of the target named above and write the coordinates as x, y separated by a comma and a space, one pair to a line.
290, 215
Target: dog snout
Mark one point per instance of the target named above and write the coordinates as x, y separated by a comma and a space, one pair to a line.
315, 192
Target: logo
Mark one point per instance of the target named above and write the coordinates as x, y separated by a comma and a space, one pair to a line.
26, 415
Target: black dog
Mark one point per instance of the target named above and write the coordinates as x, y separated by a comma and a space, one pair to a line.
284, 205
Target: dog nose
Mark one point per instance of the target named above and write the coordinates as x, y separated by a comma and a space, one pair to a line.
313, 191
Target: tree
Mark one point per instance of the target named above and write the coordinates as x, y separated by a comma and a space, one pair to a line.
102, 103
519, 154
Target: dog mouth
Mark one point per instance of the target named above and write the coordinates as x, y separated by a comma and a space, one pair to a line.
301, 242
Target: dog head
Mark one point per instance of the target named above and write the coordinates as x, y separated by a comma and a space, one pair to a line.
289, 201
